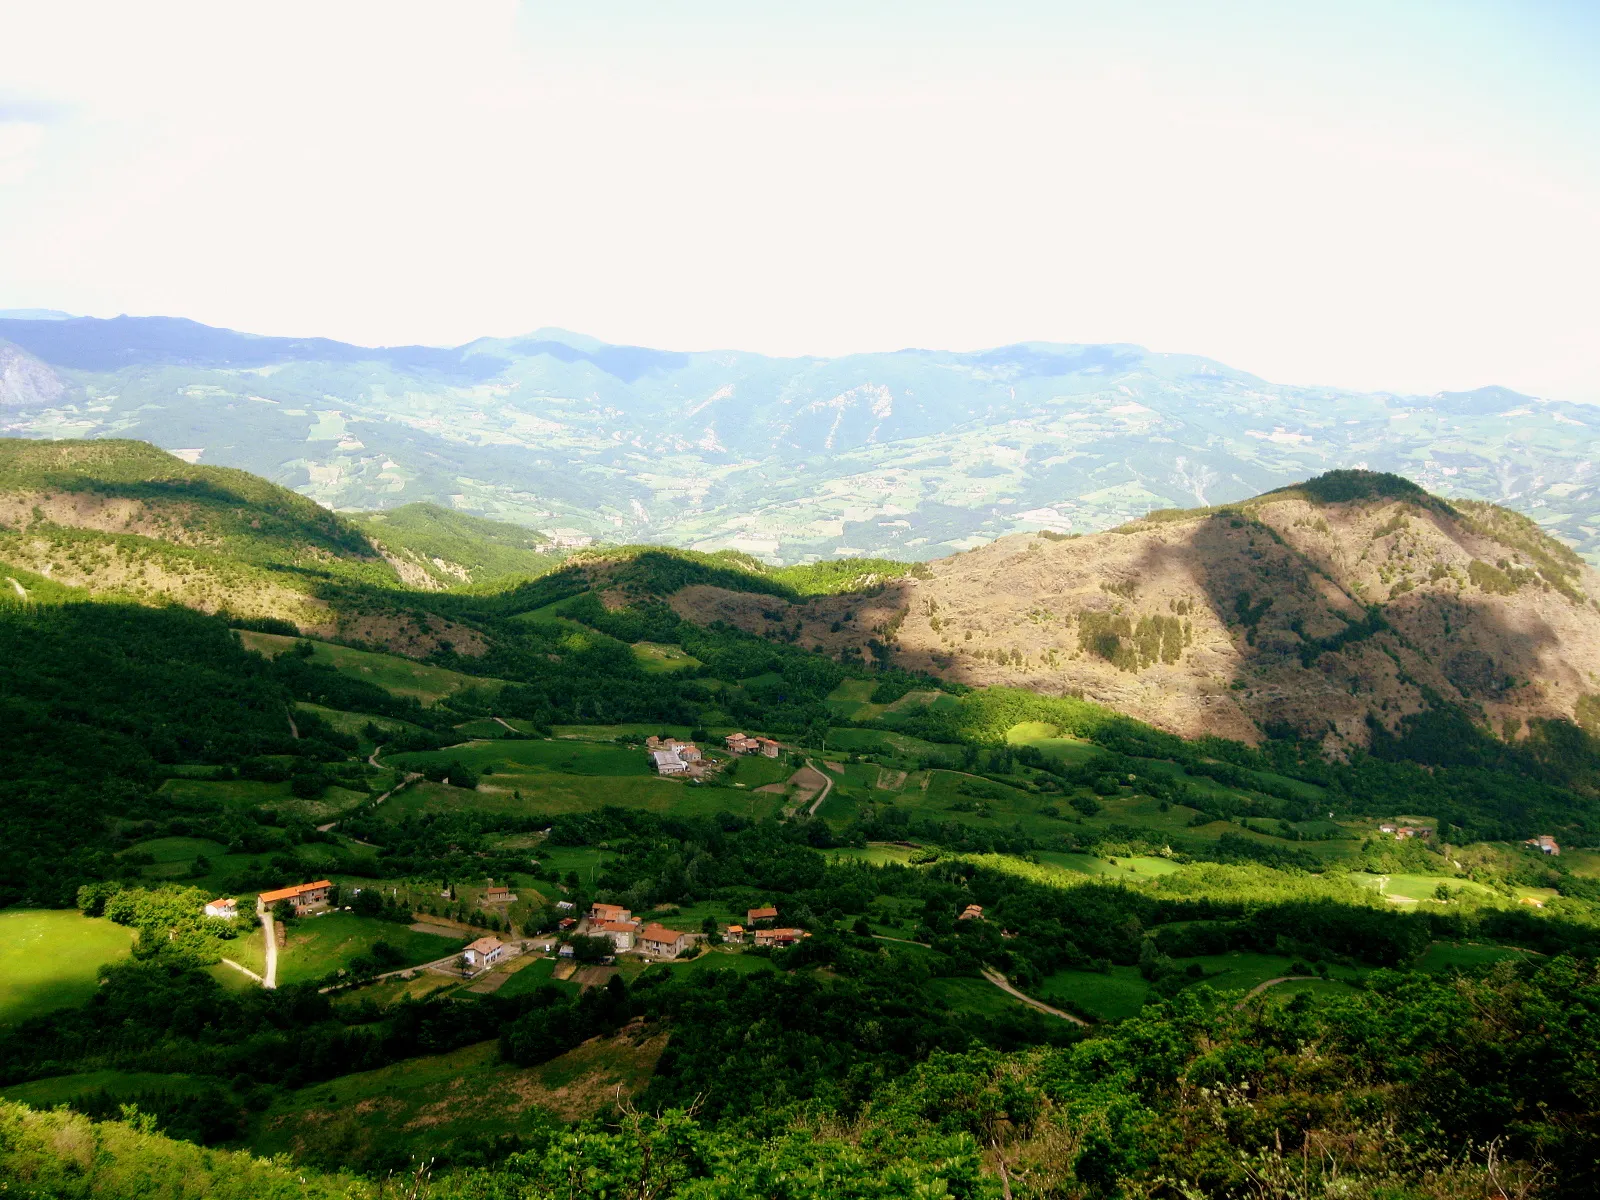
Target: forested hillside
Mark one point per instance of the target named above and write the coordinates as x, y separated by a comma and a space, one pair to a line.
1026, 944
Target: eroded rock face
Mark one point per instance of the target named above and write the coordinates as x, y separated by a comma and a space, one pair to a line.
1284, 612
25, 382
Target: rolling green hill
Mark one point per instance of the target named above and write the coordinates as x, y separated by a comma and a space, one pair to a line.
1048, 946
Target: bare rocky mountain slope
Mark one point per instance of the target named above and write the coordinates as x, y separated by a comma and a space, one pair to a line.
1355, 597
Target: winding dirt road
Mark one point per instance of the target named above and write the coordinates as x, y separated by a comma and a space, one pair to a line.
1261, 987
271, 934
1004, 985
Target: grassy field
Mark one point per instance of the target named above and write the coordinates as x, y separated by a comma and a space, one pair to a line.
318, 946
1131, 869
390, 672
876, 853
1109, 997
549, 793
432, 1106
975, 996
658, 659
251, 793
49, 958
903, 746
1448, 956
62, 1089
355, 723
533, 976
607, 733
1046, 738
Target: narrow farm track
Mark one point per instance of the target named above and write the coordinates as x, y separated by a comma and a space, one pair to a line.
228, 962
294, 729
1004, 985
271, 934
827, 786
21, 591
1261, 987
507, 724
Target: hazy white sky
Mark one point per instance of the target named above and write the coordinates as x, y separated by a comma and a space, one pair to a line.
1390, 195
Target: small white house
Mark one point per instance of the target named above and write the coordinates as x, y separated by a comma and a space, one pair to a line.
226, 909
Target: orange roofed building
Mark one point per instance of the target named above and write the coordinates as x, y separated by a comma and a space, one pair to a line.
303, 896
767, 913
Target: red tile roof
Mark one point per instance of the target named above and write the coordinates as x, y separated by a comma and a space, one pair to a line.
298, 889
660, 933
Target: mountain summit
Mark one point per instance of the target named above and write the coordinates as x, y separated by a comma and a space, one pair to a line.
1331, 610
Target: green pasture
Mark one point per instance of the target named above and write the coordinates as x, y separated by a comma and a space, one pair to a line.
1241, 970
1045, 738
1419, 889
318, 946
1112, 996
875, 853
548, 793
251, 793
717, 959
482, 729
1466, 956
1132, 868
902, 745
63, 1089
976, 996
658, 659
635, 729
49, 958
394, 674
585, 860
757, 770
852, 700
355, 723
518, 758
535, 975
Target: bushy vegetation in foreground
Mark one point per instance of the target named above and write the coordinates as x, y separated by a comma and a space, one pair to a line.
1413, 1088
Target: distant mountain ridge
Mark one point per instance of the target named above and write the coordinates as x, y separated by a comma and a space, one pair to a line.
911, 453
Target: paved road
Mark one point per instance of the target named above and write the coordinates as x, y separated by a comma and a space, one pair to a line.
1261, 987
271, 981
827, 786
1001, 982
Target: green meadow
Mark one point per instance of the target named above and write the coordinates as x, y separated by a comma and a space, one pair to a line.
401, 676
49, 958
318, 946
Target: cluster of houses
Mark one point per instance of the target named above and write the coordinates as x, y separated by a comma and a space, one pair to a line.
617, 925
1544, 844
759, 930
1402, 832
669, 756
